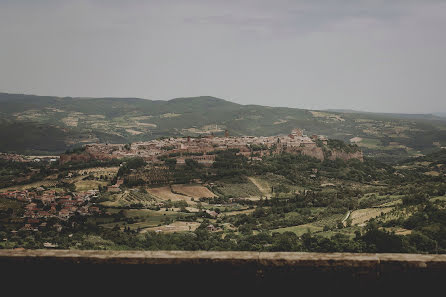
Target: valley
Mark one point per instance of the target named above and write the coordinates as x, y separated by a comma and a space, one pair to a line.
281, 200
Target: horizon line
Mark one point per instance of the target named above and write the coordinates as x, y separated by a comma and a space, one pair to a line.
338, 110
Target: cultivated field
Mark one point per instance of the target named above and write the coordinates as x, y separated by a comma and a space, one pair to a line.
330, 221
243, 190
360, 216
165, 193
238, 212
262, 185
98, 171
177, 226
194, 191
300, 230
85, 185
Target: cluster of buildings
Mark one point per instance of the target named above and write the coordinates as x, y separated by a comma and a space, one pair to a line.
201, 149
41, 204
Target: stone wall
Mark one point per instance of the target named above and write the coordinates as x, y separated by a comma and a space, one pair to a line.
329, 274
346, 156
318, 153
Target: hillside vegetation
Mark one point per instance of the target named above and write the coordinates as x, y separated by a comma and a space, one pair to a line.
53, 124
284, 202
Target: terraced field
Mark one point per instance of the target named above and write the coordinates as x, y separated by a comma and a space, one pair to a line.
129, 198
138, 197
98, 171
330, 221
361, 216
262, 185
242, 190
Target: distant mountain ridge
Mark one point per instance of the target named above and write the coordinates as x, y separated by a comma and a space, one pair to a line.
64, 122
400, 115
440, 114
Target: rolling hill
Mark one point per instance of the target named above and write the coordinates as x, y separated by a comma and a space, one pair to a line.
45, 124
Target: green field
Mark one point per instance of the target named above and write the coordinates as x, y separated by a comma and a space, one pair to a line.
144, 218
299, 230
236, 190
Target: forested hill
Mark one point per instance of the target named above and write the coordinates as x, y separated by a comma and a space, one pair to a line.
30, 124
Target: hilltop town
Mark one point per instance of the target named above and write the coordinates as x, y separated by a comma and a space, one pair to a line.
202, 149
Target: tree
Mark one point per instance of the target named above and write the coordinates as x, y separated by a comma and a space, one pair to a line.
171, 162
192, 164
340, 225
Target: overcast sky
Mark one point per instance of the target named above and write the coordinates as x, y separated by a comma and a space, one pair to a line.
367, 55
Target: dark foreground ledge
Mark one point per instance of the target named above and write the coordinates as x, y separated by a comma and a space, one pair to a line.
319, 272
325, 261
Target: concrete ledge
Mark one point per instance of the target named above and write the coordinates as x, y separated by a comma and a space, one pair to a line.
335, 271
197, 257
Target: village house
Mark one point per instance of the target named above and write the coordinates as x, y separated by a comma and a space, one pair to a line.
64, 214
211, 228
43, 214
27, 227
31, 207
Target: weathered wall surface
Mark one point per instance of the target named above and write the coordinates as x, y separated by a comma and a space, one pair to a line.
295, 259
313, 151
346, 156
329, 274
318, 153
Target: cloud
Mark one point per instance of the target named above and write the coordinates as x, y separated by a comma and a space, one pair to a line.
373, 55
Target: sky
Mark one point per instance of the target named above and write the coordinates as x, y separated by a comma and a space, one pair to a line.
377, 55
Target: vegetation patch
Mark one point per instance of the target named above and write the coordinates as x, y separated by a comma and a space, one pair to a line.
300, 230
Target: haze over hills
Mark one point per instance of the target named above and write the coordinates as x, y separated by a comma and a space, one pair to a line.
47, 124
265, 194
433, 116
440, 114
